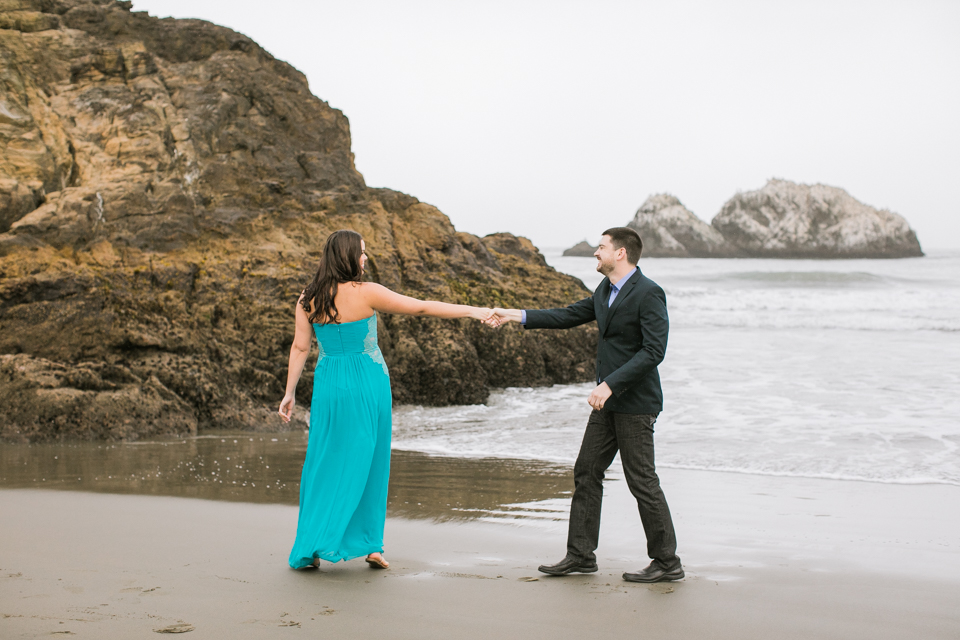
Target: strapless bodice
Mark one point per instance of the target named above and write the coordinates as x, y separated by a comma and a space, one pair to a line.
349, 339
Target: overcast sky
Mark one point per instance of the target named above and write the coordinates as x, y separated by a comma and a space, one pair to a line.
555, 120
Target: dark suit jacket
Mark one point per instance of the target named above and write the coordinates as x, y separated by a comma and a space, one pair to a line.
633, 339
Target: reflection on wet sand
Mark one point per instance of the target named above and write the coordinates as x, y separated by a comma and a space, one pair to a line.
266, 468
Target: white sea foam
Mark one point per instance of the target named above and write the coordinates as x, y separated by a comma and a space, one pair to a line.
830, 369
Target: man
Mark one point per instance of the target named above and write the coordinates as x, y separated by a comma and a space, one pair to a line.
631, 314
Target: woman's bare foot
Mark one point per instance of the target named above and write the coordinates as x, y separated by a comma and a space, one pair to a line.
376, 561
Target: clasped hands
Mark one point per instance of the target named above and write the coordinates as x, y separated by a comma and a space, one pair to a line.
498, 317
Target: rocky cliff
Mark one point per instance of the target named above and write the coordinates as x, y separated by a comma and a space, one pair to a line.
789, 220
165, 189
670, 230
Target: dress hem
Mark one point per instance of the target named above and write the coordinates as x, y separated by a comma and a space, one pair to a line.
333, 557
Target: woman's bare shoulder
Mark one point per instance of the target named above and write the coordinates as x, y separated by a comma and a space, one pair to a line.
369, 288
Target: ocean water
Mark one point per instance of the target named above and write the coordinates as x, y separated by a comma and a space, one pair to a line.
825, 369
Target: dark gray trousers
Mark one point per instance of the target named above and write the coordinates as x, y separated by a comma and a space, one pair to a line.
607, 432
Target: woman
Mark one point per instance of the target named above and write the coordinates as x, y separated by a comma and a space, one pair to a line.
343, 488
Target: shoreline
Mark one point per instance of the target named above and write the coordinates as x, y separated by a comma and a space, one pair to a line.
765, 557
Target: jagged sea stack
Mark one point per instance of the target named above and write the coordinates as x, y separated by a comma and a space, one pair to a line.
670, 230
789, 220
165, 190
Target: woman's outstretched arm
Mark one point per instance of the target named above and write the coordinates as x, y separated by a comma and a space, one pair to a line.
299, 351
382, 299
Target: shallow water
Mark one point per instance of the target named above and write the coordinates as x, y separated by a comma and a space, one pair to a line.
266, 469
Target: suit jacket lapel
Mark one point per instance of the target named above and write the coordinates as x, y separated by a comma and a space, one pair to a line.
627, 288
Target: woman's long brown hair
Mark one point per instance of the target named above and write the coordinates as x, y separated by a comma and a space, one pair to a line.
340, 263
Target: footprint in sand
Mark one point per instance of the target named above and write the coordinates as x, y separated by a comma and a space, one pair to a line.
661, 588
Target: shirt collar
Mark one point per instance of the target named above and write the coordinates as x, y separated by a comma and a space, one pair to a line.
623, 280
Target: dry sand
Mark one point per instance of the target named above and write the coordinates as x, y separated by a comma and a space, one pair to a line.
765, 558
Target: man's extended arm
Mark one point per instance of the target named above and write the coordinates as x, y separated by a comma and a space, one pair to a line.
576, 314
654, 326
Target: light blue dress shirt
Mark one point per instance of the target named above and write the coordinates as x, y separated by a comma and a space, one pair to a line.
614, 290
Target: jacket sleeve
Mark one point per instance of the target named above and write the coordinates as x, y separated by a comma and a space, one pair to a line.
654, 326
576, 314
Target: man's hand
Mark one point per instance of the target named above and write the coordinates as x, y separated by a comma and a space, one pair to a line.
599, 396
503, 316
483, 314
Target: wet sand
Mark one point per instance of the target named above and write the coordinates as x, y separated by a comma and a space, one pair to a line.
266, 469
766, 557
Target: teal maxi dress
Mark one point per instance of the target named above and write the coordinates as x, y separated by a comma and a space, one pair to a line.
343, 488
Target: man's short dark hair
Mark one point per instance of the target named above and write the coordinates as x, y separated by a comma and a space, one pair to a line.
626, 238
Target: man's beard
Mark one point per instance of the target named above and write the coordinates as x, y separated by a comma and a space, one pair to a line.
604, 268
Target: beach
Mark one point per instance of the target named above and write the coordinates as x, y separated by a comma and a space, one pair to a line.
765, 557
